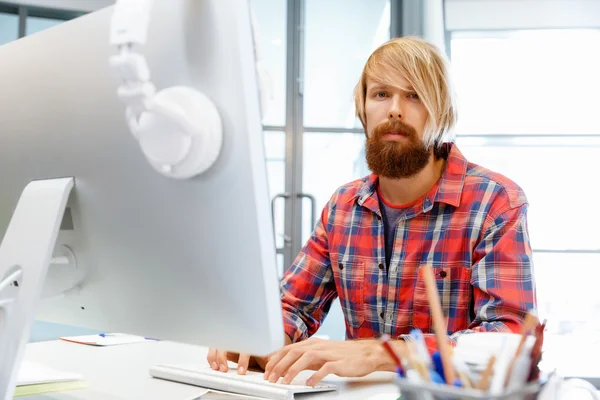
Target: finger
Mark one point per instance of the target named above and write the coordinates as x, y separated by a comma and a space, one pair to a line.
243, 362
262, 362
222, 360
286, 362
275, 358
327, 368
212, 359
233, 357
308, 359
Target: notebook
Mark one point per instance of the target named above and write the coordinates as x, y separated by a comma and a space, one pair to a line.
251, 384
35, 378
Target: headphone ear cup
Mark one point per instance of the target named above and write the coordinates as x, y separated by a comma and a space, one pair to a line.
181, 132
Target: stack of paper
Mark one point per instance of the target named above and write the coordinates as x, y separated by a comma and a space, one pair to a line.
35, 378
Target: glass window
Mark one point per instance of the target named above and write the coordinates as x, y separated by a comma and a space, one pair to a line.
36, 24
527, 82
271, 18
340, 36
576, 310
275, 158
9, 28
518, 90
559, 182
341, 155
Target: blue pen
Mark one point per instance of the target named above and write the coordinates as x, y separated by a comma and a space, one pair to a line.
438, 366
112, 334
436, 378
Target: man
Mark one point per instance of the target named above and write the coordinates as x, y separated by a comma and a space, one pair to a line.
424, 204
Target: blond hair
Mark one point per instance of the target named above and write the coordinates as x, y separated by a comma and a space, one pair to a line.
426, 69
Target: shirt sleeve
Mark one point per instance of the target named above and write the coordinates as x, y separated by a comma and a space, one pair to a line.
308, 286
502, 274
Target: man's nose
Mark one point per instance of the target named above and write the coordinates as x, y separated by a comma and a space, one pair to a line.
395, 111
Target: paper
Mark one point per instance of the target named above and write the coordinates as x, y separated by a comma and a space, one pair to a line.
107, 339
32, 374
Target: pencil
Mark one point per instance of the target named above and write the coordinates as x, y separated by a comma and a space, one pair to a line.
484, 381
439, 325
531, 321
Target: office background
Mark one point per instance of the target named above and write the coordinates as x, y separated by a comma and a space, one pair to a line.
526, 72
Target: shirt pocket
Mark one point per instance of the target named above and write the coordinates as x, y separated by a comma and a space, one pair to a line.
455, 291
349, 280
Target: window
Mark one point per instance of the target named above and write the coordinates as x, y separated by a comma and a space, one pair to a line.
528, 109
270, 18
36, 24
18, 21
537, 82
9, 27
340, 36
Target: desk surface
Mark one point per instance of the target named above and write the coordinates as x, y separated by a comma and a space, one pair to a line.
121, 372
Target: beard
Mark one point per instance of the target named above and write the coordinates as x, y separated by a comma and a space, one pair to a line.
396, 159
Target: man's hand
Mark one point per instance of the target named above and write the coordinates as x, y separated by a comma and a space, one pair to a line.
217, 359
351, 358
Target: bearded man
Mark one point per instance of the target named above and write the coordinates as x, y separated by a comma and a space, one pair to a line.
423, 204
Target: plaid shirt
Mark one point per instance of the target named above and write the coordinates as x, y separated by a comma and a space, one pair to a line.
471, 228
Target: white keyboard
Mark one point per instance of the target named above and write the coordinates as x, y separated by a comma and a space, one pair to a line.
251, 384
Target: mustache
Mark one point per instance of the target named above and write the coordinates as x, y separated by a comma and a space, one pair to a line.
395, 127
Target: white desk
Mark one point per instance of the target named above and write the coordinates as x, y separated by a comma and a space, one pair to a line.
121, 373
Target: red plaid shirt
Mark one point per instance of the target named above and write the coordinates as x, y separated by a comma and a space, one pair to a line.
471, 228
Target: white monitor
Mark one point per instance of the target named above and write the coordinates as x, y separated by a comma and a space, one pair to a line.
188, 260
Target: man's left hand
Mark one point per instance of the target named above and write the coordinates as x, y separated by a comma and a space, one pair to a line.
351, 358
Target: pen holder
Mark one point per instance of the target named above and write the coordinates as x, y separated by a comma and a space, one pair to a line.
432, 391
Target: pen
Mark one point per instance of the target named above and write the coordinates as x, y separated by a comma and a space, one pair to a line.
416, 337
385, 342
416, 363
118, 334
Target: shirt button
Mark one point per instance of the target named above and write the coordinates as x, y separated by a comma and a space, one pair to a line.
380, 266
381, 315
341, 265
443, 274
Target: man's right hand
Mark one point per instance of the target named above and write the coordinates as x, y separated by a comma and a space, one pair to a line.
217, 359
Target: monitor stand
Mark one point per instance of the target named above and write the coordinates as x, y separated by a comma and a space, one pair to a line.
25, 253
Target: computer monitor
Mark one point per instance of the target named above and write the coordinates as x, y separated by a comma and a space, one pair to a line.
188, 260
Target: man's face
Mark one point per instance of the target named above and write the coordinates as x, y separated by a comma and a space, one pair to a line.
395, 122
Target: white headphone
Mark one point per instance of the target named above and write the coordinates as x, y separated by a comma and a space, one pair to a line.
179, 129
